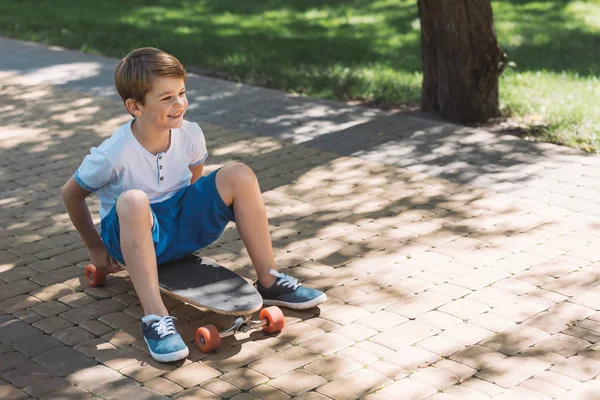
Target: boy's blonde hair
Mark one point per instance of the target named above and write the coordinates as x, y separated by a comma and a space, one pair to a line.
135, 74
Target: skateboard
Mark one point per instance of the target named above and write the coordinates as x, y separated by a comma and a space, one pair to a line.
206, 285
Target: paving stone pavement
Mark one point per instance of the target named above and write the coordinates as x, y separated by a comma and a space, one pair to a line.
459, 264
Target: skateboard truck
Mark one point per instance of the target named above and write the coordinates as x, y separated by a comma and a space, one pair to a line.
208, 338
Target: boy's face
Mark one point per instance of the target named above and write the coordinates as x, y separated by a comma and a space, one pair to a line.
165, 104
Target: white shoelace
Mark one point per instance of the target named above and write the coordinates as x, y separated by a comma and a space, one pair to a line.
285, 280
163, 326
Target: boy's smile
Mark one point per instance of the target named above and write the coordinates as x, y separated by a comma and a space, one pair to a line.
164, 106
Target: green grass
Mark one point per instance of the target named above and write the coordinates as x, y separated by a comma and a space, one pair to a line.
349, 50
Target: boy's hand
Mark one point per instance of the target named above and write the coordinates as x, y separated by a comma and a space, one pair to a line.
100, 258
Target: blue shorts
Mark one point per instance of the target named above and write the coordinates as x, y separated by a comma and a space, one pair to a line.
191, 219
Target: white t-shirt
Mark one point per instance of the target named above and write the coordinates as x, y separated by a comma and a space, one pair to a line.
121, 163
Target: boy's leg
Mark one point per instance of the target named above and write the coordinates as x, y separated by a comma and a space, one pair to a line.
235, 182
158, 328
135, 220
237, 185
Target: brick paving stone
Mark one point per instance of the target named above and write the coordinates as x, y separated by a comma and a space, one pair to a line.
464, 393
407, 389
439, 319
466, 334
92, 311
435, 378
244, 378
52, 324
73, 335
117, 320
93, 377
50, 308
94, 347
411, 358
129, 335
414, 306
512, 370
46, 387
164, 386
344, 314
8, 391
381, 320
27, 375
244, 396
299, 332
197, 393
543, 387
236, 357
16, 274
479, 278
388, 369
64, 360
76, 300
147, 369
13, 360
284, 361
16, 288
450, 290
96, 327
354, 385
464, 309
326, 343
578, 367
355, 332
440, 345
14, 330
334, 366
586, 391
27, 316
37, 345
478, 357
121, 357
481, 386
491, 322
192, 374
515, 339
518, 393
221, 388
405, 334
118, 389
357, 355
52, 292
268, 392
564, 345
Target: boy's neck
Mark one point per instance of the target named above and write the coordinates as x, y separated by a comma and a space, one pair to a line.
155, 141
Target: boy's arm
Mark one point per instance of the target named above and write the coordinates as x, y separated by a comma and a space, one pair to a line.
74, 198
196, 172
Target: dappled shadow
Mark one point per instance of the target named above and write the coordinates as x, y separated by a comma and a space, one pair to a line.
384, 214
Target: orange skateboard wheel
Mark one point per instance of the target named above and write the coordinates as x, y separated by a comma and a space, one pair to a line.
95, 276
274, 316
208, 338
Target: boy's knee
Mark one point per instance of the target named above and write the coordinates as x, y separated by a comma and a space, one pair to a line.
239, 172
132, 204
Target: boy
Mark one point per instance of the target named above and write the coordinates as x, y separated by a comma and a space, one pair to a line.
154, 205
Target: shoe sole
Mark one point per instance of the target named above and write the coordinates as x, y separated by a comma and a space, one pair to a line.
297, 306
170, 357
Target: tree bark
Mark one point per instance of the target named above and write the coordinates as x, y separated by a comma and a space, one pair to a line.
461, 59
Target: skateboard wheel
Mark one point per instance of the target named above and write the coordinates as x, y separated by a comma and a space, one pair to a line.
208, 338
274, 316
94, 276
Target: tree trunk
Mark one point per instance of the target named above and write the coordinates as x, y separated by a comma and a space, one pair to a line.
461, 59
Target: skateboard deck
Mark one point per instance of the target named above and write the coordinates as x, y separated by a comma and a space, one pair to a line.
205, 284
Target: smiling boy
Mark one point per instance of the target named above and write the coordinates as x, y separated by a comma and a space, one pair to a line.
156, 207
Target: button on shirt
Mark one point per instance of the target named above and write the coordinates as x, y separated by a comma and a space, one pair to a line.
121, 163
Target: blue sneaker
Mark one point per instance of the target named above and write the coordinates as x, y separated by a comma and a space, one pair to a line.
163, 341
287, 292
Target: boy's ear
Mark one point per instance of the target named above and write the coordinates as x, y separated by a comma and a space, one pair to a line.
133, 107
